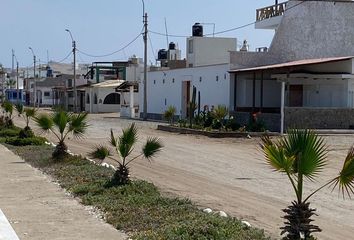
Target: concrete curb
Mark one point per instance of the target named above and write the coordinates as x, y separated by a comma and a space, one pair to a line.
6, 230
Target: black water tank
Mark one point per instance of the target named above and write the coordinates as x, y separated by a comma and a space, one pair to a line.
162, 54
197, 30
172, 46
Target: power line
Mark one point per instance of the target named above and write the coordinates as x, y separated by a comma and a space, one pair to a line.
110, 54
151, 46
220, 32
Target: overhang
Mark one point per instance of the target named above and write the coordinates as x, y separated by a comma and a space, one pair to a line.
304, 62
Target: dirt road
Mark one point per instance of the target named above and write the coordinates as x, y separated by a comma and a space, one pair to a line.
230, 175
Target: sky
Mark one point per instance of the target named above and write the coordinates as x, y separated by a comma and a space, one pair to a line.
101, 27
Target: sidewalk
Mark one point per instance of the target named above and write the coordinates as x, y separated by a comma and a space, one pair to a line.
40, 210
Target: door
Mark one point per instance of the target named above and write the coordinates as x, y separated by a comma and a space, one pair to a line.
186, 85
296, 95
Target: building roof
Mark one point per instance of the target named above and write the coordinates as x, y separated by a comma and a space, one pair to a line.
292, 64
108, 84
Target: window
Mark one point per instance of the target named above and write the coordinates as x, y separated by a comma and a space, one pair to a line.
173, 80
70, 82
165, 102
163, 81
225, 76
95, 99
47, 94
112, 98
87, 98
154, 81
200, 79
190, 46
217, 78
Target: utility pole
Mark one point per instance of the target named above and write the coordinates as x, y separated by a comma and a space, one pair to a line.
17, 87
145, 21
74, 52
34, 78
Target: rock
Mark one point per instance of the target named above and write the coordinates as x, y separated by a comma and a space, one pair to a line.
222, 214
247, 224
249, 136
207, 210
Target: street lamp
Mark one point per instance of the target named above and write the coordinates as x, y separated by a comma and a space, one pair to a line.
34, 78
74, 52
145, 60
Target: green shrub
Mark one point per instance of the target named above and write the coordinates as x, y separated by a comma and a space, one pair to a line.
231, 124
169, 114
9, 132
26, 133
16, 141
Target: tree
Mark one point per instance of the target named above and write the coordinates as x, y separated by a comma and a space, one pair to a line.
10, 83
303, 154
27, 114
124, 146
169, 114
61, 123
8, 109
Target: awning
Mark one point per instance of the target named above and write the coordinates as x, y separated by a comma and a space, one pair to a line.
293, 64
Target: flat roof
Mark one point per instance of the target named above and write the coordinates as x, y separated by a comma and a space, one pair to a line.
293, 64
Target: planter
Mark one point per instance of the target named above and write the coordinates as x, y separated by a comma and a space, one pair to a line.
213, 134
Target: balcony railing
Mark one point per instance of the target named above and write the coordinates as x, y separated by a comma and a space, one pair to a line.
271, 11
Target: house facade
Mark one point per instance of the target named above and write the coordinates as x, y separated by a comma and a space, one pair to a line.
305, 79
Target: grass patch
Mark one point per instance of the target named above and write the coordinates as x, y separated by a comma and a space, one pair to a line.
137, 208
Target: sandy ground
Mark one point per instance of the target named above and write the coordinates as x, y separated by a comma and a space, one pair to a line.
38, 209
230, 175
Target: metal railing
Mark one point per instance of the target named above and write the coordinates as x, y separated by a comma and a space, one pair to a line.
271, 11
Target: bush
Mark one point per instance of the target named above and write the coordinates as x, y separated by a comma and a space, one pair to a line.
26, 133
9, 132
169, 114
16, 141
231, 124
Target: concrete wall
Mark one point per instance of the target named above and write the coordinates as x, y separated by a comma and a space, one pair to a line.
209, 51
319, 118
101, 95
165, 87
271, 120
315, 29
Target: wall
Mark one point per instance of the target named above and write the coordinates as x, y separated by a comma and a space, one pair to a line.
319, 118
210, 51
315, 29
101, 95
165, 87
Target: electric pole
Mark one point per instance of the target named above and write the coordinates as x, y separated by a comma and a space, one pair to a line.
17, 87
34, 78
145, 21
74, 52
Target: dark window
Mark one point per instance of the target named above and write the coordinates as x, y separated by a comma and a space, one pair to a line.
95, 99
46, 94
112, 98
200, 79
163, 81
217, 78
87, 98
173, 80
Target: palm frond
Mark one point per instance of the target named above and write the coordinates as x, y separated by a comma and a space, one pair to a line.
151, 147
113, 140
127, 140
19, 108
345, 180
61, 119
275, 156
100, 152
30, 112
45, 122
78, 124
308, 150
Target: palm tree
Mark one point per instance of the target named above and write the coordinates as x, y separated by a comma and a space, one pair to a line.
27, 114
124, 146
10, 83
61, 123
8, 109
303, 154
169, 114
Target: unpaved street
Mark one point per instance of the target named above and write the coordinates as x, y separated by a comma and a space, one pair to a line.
229, 175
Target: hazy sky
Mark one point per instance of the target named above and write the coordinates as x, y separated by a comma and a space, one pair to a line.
103, 26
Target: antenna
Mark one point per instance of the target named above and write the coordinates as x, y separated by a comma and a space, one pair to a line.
47, 56
166, 33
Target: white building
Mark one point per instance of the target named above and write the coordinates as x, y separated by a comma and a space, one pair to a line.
205, 68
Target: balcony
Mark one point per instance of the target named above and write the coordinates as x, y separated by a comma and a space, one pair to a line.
270, 17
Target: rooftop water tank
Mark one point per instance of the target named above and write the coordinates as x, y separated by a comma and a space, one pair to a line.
172, 46
197, 30
162, 54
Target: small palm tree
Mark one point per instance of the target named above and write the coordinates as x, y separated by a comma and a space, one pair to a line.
8, 109
124, 146
303, 154
61, 123
29, 113
169, 114
220, 113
